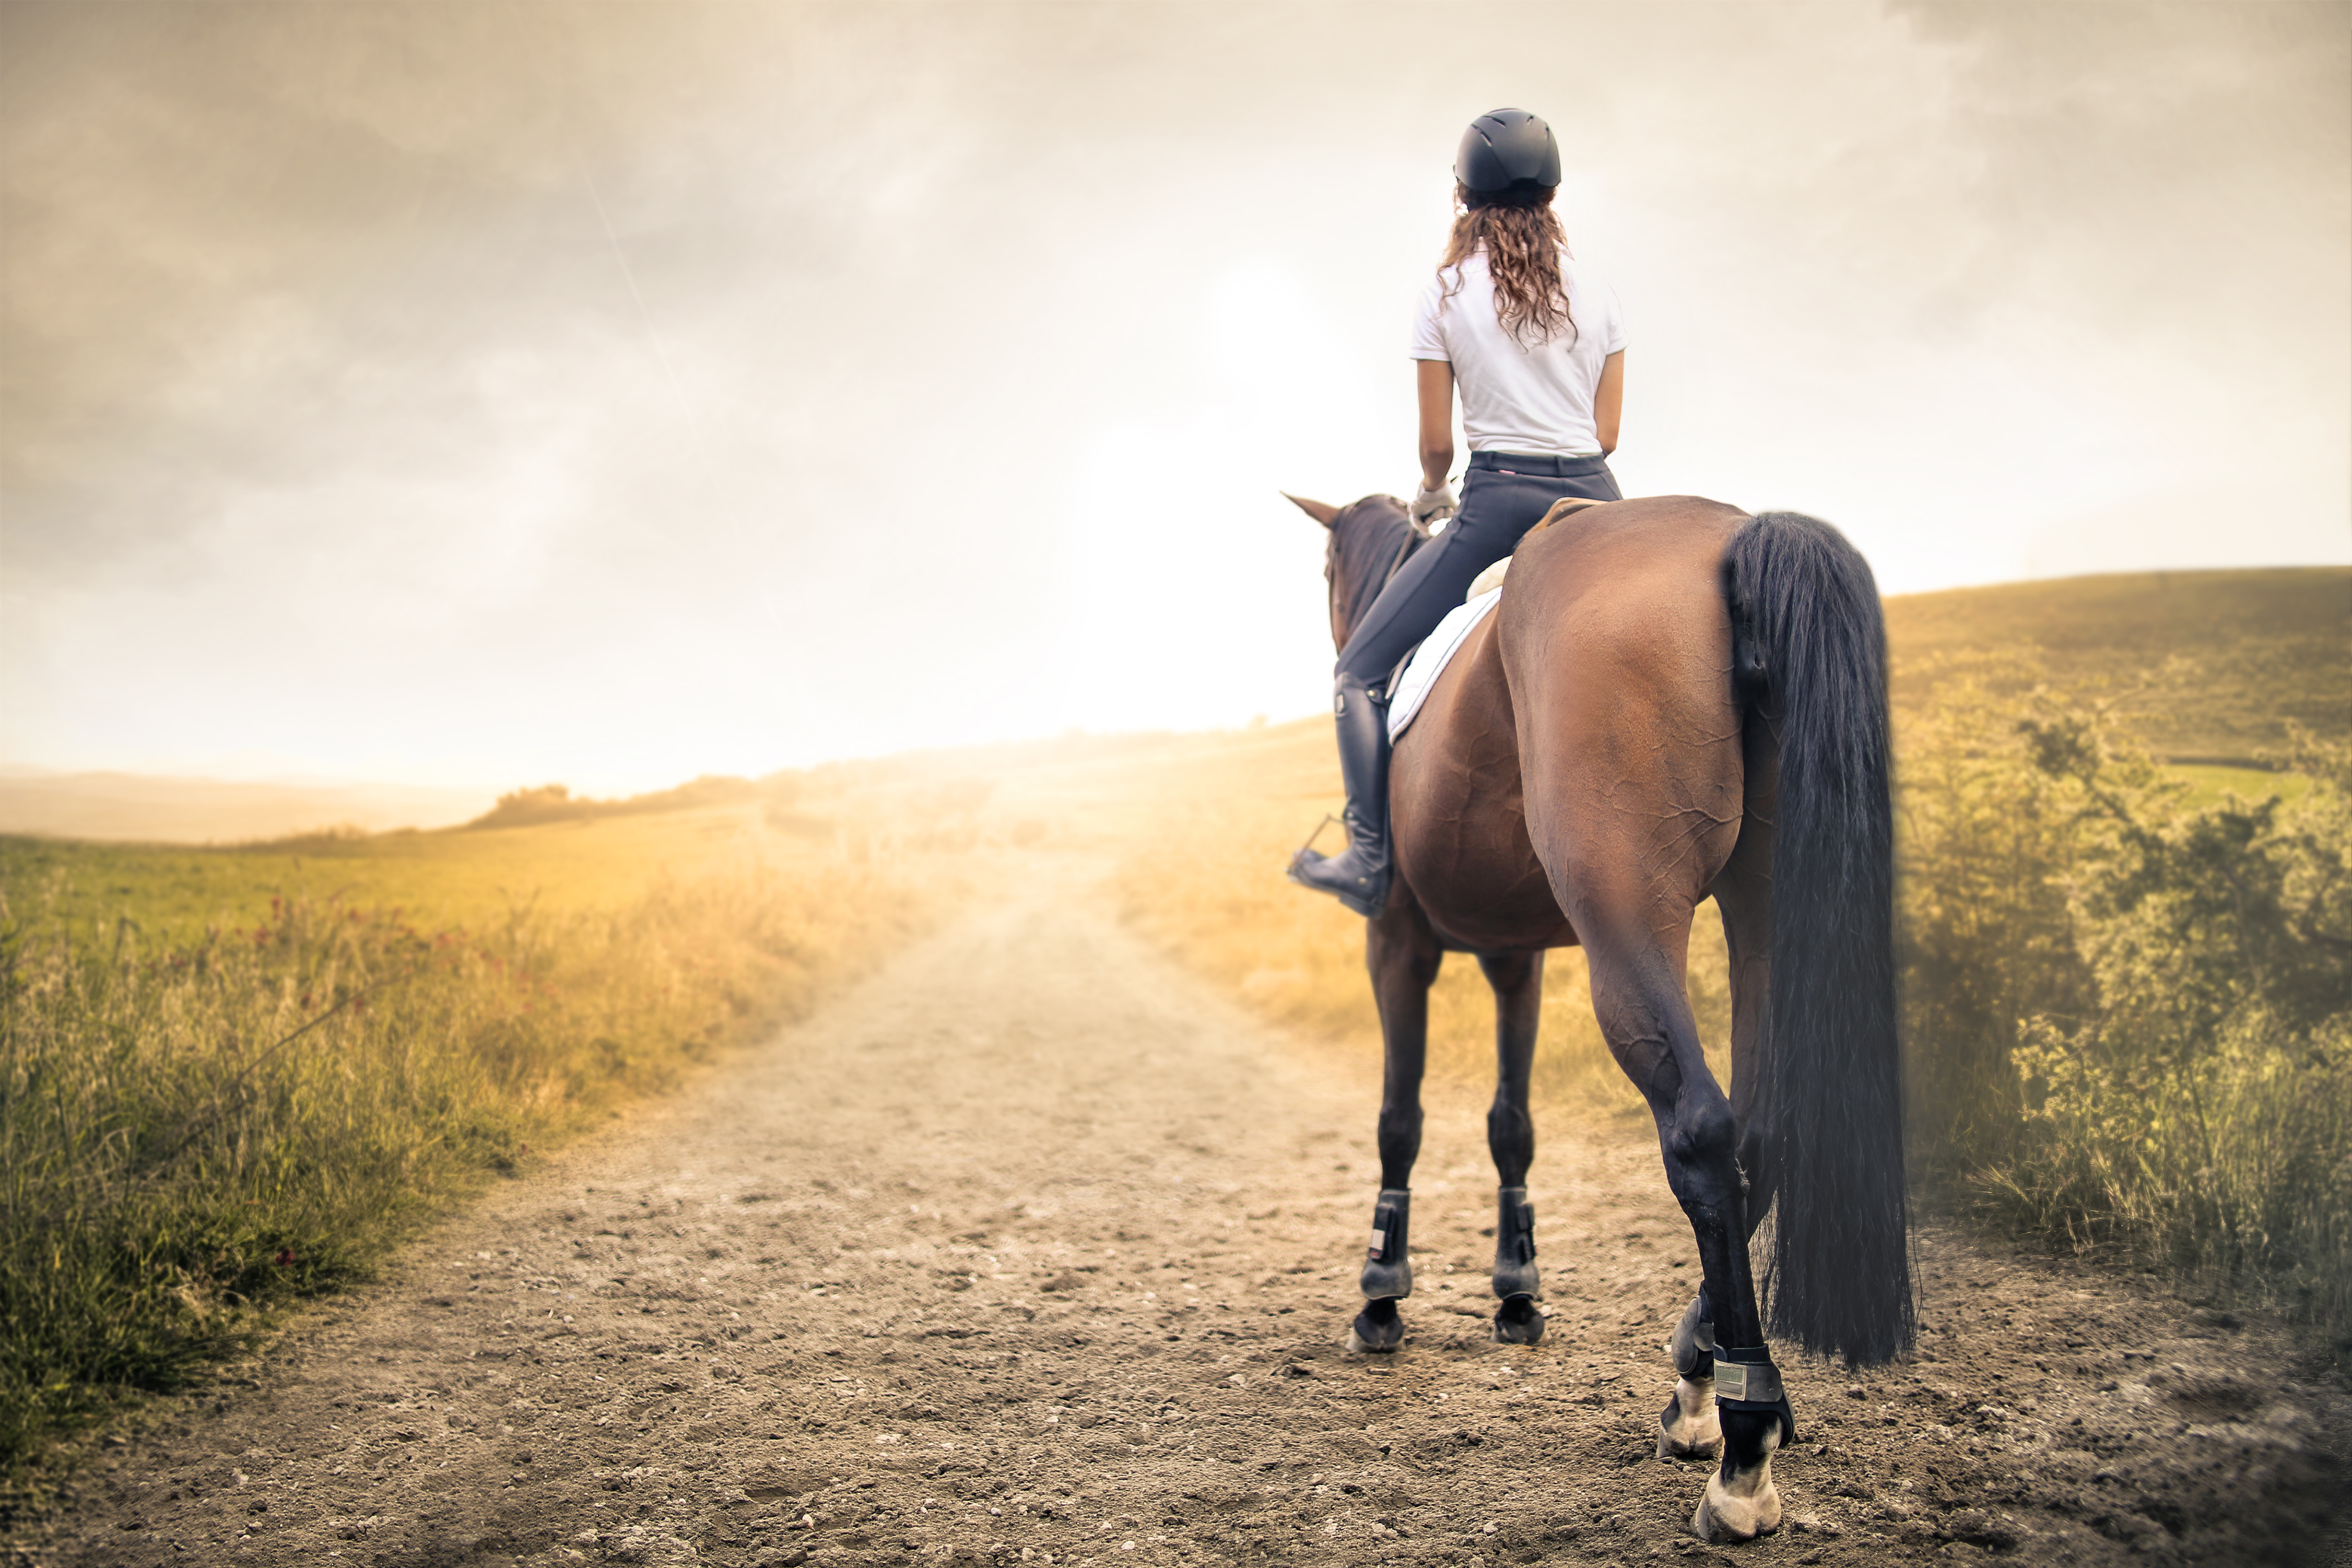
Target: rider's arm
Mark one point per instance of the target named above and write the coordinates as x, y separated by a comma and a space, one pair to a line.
1437, 383
1608, 401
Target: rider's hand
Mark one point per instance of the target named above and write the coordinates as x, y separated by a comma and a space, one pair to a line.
1428, 506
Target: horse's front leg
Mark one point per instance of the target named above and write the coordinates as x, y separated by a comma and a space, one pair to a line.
1402, 954
1517, 981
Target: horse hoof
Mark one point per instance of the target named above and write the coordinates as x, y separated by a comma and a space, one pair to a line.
1518, 1322
1369, 1334
1724, 1515
1688, 1428
1671, 1448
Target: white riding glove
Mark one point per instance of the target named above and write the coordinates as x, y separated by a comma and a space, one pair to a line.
1429, 506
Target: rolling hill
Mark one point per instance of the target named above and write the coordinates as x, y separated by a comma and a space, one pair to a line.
2256, 650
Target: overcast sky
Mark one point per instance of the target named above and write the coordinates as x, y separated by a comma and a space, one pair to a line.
609, 392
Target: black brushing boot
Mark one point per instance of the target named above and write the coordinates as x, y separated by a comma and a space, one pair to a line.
1388, 1274
1518, 1322
1359, 875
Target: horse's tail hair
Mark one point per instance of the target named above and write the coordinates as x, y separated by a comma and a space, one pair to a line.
1809, 657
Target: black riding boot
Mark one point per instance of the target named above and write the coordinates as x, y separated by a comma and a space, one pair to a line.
1359, 875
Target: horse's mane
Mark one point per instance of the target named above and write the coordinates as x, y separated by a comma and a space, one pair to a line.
1366, 536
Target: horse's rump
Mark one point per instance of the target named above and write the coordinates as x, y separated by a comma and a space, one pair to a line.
1603, 678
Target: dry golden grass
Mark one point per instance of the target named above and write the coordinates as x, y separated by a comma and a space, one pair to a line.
174, 891
235, 1078
1212, 824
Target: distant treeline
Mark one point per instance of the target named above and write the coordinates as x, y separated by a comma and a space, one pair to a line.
926, 786
556, 803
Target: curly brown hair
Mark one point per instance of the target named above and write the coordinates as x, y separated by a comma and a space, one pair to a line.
1522, 238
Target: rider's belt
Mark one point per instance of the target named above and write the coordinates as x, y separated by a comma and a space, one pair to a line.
1549, 465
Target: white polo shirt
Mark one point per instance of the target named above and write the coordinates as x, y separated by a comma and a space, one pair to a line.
1515, 398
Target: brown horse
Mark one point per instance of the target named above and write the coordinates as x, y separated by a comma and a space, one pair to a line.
1673, 701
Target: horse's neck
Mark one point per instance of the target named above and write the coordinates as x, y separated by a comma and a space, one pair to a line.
1380, 555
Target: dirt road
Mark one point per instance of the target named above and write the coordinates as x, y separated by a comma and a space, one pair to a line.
1029, 1249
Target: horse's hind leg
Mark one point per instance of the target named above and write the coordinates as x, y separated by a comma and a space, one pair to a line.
1637, 994
1402, 954
1518, 980
1743, 893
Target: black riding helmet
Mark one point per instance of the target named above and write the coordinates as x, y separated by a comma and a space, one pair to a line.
1508, 150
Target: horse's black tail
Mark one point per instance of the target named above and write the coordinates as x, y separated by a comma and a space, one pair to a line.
1809, 652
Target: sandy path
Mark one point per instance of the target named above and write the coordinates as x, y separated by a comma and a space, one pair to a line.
1029, 1248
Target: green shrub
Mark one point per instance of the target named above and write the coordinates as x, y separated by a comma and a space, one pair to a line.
2131, 1015
1986, 849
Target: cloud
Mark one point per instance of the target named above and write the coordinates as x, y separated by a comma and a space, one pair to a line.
724, 386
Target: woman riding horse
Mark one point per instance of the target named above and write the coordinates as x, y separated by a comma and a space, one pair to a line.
1537, 345
1672, 703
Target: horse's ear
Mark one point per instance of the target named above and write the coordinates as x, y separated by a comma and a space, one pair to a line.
1320, 512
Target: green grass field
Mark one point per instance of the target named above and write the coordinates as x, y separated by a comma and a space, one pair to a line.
2210, 786
2270, 648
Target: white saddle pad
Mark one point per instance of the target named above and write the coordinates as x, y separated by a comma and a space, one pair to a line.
1430, 660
